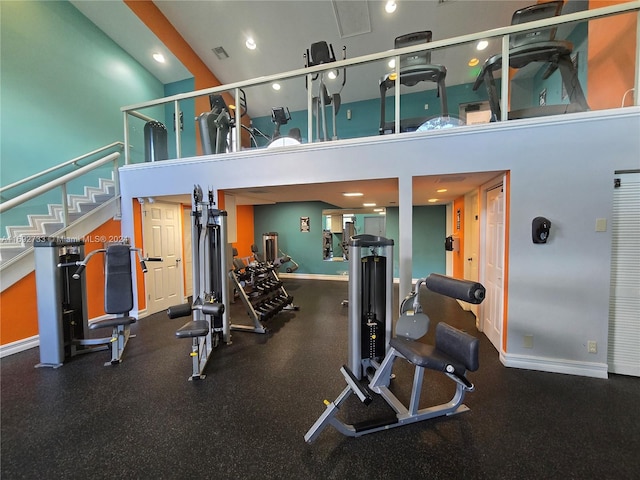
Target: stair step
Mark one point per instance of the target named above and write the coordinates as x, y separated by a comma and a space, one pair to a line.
18, 238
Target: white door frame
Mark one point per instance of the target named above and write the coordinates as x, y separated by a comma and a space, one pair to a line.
483, 312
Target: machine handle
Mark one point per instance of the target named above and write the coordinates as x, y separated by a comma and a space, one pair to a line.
79, 271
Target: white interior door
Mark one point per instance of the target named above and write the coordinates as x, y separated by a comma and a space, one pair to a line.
492, 307
162, 238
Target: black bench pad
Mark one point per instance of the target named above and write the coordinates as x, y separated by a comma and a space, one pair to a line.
195, 328
112, 322
424, 355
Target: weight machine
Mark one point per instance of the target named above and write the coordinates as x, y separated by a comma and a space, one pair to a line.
210, 285
62, 299
453, 353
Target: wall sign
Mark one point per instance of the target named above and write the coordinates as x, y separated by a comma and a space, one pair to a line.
304, 224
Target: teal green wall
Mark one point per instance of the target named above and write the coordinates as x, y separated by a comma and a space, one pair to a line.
429, 226
62, 84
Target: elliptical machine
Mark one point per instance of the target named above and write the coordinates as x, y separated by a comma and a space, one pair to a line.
318, 54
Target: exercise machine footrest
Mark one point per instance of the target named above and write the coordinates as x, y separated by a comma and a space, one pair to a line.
375, 423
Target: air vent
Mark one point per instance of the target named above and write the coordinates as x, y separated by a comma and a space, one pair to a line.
352, 17
221, 53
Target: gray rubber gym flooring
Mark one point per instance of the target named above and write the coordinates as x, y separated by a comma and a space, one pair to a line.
246, 420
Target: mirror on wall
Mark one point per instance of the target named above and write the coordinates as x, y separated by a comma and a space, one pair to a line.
339, 225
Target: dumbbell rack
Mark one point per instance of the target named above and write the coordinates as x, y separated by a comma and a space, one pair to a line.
261, 292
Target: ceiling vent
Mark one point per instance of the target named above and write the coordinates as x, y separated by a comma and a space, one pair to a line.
352, 17
220, 52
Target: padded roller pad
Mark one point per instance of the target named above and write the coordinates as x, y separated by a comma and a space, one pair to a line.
215, 309
465, 290
112, 322
177, 311
195, 328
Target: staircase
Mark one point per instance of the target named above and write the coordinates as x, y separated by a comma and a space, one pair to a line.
77, 214
19, 239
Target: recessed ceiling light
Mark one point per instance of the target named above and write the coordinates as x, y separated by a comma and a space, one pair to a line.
441, 190
250, 43
378, 210
382, 213
482, 44
390, 6
353, 194
368, 204
158, 57
392, 63
473, 62
276, 86
333, 74
432, 200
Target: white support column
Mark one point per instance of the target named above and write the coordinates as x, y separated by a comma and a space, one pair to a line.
309, 108
176, 116
504, 82
405, 232
397, 96
127, 149
238, 126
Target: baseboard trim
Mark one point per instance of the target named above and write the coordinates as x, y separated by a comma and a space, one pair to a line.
19, 346
555, 365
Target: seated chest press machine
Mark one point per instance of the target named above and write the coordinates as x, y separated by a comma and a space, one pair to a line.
62, 302
453, 353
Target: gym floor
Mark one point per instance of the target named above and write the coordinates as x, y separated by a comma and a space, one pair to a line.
247, 419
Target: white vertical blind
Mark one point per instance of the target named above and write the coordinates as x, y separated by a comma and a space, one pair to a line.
624, 306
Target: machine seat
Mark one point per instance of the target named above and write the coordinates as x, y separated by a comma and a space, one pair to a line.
112, 322
195, 328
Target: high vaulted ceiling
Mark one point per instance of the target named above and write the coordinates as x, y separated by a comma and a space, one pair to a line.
283, 31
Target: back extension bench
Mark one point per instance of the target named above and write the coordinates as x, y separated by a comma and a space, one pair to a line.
453, 353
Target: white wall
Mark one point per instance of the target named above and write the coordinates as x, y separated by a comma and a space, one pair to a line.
561, 168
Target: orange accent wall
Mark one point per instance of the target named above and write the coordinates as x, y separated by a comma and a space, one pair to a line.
611, 58
244, 216
458, 257
18, 311
155, 20
137, 241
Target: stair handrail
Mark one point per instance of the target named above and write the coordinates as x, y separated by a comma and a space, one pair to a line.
62, 165
63, 180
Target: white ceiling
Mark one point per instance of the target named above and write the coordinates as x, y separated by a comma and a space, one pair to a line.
283, 30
